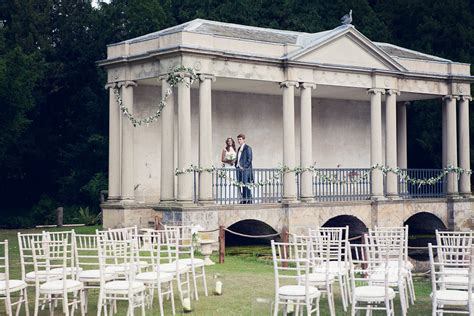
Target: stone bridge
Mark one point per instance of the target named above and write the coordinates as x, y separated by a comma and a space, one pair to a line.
454, 214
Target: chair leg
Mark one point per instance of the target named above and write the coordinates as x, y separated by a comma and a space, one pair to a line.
143, 303
195, 284
332, 307
343, 291
173, 308
275, 310
25, 297
204, 280
353, 307
66, 307
160, 300
8, 305
82, 304
35, 313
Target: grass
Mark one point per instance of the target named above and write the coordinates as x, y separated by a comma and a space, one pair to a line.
248, 284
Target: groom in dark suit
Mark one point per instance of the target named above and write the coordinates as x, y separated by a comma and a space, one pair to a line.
243, 165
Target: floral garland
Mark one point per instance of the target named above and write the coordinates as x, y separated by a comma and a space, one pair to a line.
175, 76
330, 179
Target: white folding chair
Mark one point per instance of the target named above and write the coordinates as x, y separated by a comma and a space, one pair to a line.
55, 255
10, 287
320, 277
389, 243
292, 285
182, 238
451, 293
336, 239
368, 294
87, 260
407, 265
119, 255
150, 248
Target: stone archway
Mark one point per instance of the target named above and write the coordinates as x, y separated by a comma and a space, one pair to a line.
421, 231
356, 226
250, 227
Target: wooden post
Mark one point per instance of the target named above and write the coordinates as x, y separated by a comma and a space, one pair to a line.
364, 250
285, 238
158, 225
60, 216
221, 244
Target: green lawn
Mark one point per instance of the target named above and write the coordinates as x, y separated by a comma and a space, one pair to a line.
248, 284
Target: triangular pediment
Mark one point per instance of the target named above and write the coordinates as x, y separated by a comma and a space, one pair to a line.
345, 47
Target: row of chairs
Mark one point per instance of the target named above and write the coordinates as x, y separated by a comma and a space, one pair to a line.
121, 263
369, 274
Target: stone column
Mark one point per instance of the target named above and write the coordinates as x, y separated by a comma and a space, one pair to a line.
451, 143
444, 163
464, 146
185, 181
402, 134
306, 141
167, 144
114, 187
205, 137
128, 192
376, 141
289, 181
391, 141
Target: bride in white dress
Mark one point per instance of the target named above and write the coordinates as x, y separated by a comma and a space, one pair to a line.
229, 155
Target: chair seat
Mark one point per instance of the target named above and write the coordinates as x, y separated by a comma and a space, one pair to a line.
121, 268
317, 279
456, 280
152, 277
94, 276
69, 270
121, 287
334, 267
378, 277
452, 297
298, 290
171, 267
14, 285
456, 271
43, 276
372, 293
56, 287
195, 261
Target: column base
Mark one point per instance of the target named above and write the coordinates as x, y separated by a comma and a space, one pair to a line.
307, 199
206, 202
289, 200
128, 202
392, 196
453, 196
378, 198
466, 194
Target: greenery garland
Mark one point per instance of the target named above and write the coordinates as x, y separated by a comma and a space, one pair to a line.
330, 179
174, 77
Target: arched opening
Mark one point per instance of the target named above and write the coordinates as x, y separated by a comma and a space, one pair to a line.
421, 232
250, 227
356, 226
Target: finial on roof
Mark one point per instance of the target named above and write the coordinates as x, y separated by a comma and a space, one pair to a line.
347, 19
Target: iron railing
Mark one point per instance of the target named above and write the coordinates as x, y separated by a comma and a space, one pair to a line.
225, 191
329, 184
341, 184
407, 190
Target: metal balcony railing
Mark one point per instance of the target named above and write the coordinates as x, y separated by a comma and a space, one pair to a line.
408, 190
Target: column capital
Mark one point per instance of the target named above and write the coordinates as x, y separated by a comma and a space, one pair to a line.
450, 97
406, 103
203, 77
376, 91
466, 98
127, 83
392, 92
307, 85
289, 83
109, 85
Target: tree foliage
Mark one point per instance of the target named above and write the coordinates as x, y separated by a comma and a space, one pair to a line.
54, 118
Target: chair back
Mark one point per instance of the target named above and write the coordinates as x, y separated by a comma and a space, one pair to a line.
4, 267
49, 255
453, 248
332, 242
390, 241
395, 233
68, 236
117, 256
181, 237
86, 251
289, 269
363, 265
25, 247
